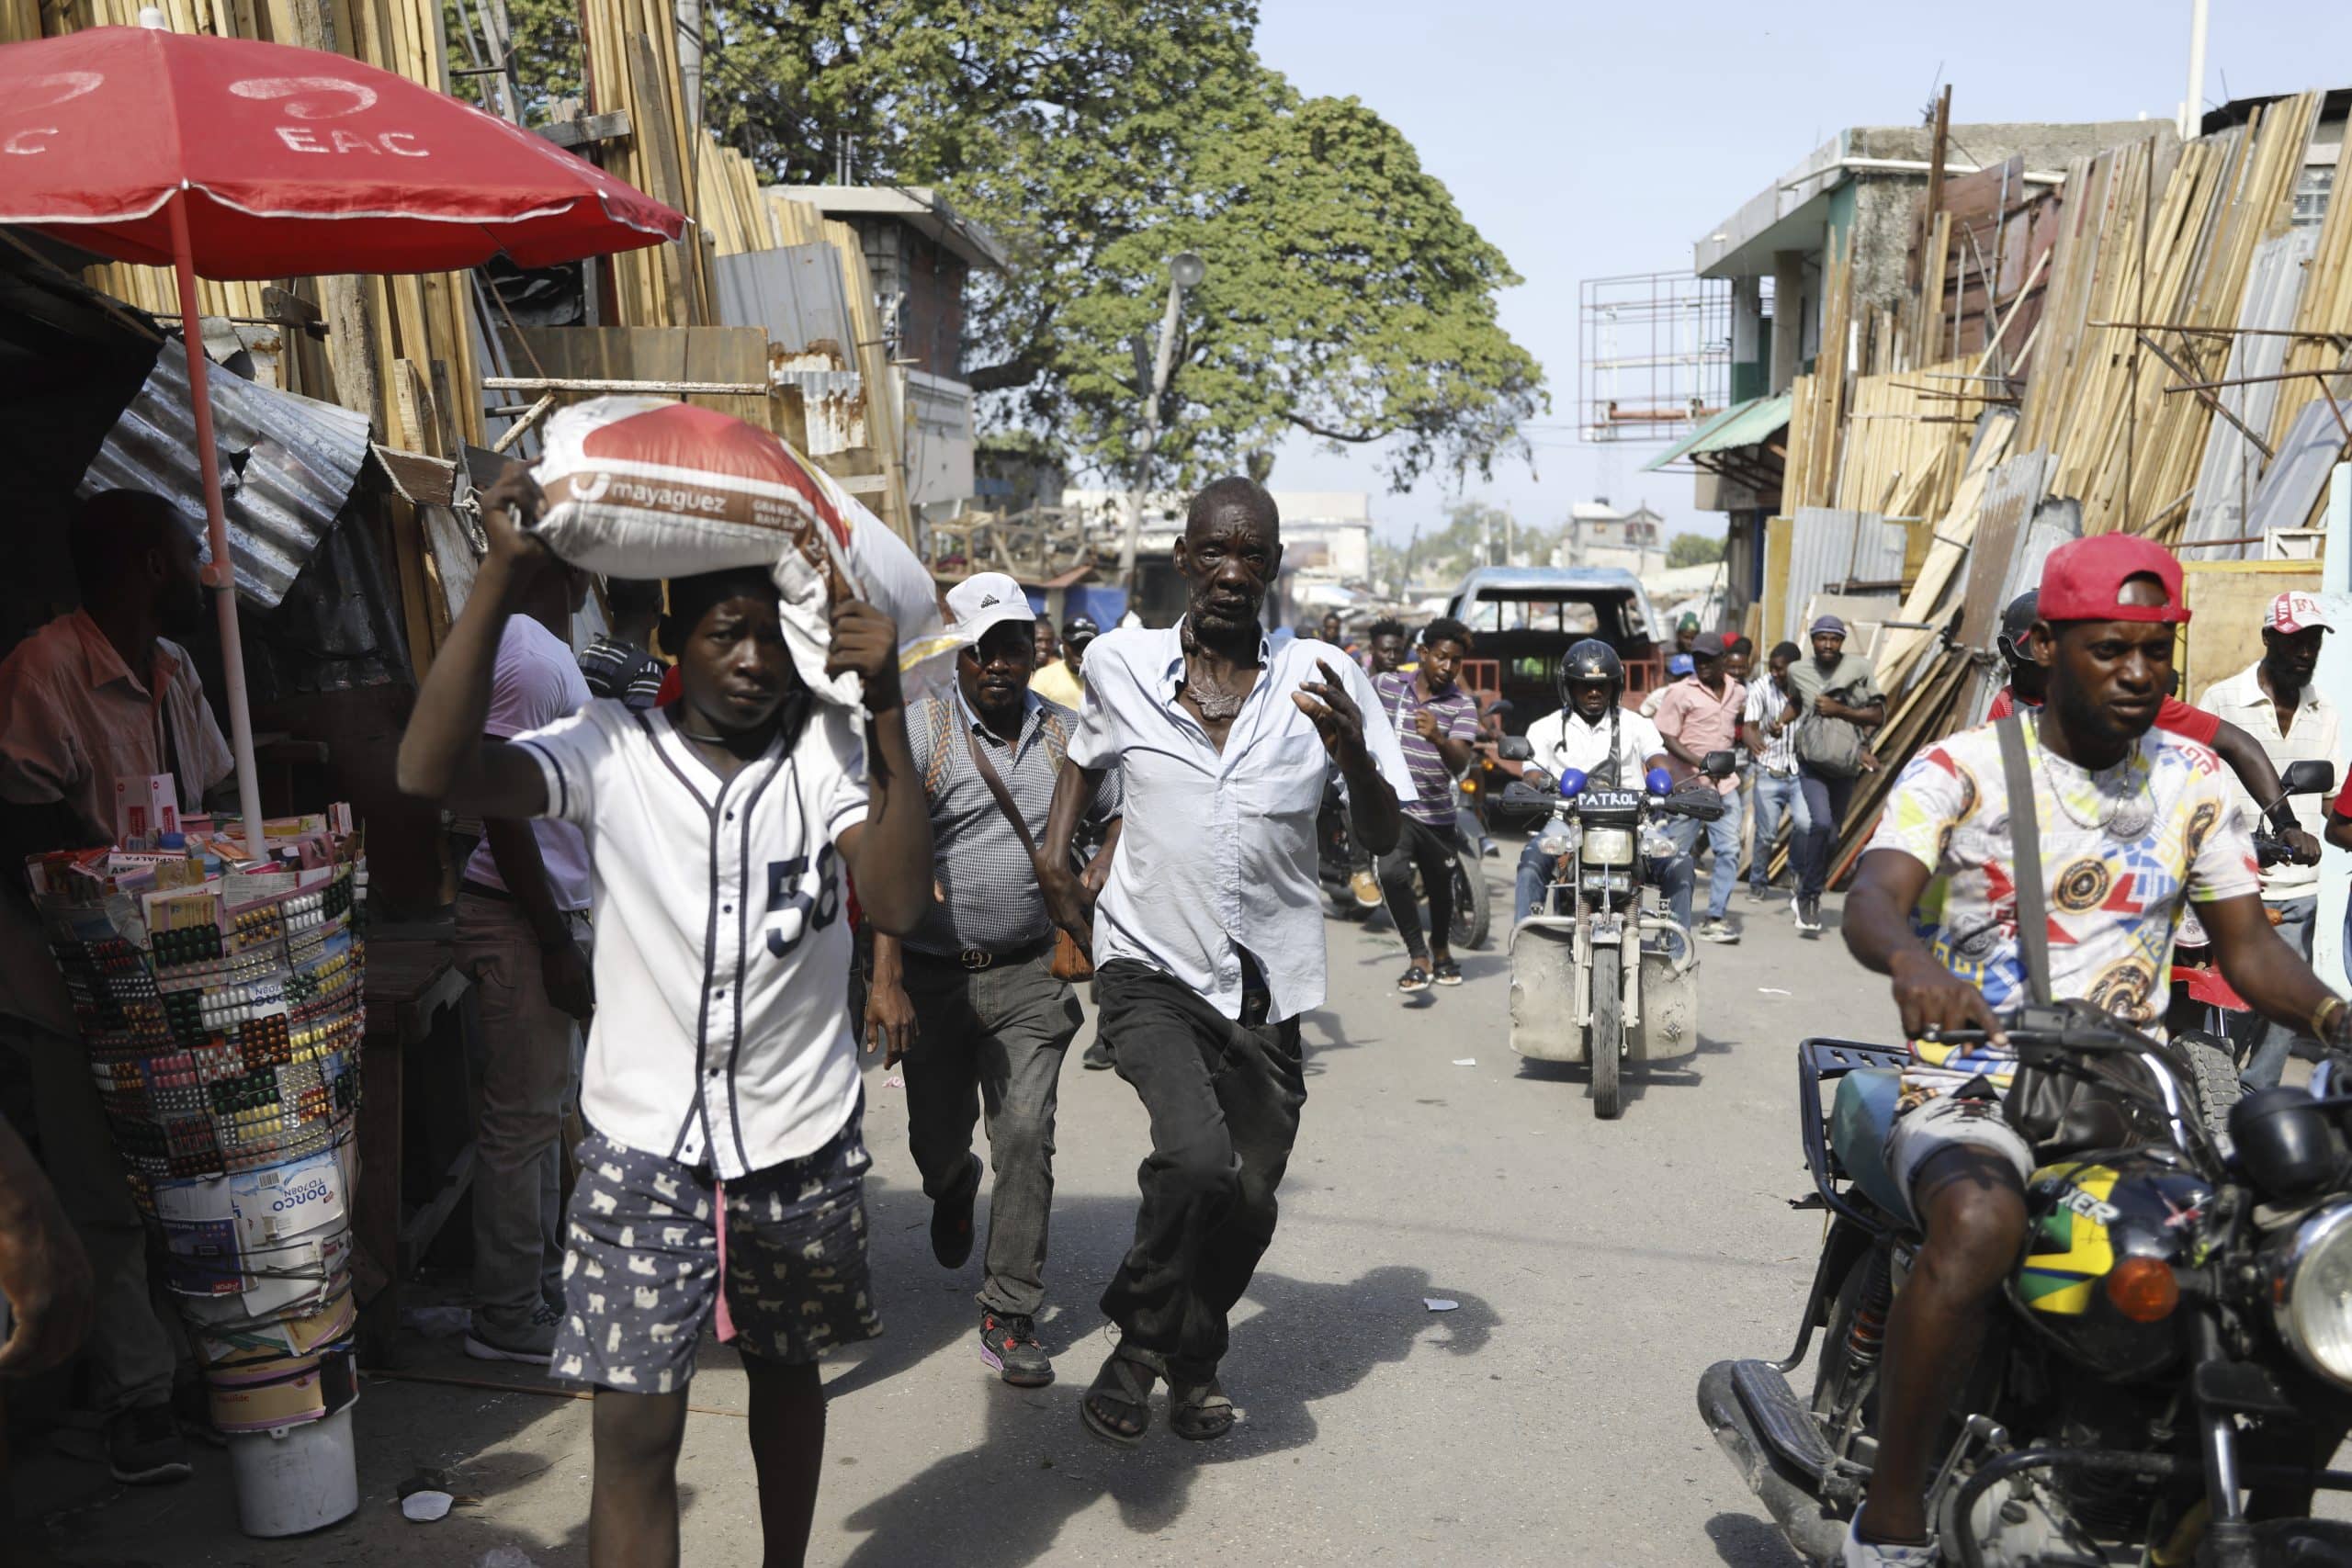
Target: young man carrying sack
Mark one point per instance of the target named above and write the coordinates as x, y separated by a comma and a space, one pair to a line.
978, 1001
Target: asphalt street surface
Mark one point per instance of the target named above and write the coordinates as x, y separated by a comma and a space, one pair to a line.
1547, 1416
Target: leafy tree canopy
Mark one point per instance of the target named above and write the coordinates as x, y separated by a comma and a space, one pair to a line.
1347, 297
1693, 549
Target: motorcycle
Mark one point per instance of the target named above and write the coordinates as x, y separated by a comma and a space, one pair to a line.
1334, 868
1597, 977
2183, 1275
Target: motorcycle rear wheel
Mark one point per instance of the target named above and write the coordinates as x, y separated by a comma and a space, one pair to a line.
1472, 905
1608, 1035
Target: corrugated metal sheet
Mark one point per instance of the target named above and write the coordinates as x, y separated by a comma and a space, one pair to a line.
2004, 515
2231, 471
794, 292
2309, 451
1828, 545
288, 465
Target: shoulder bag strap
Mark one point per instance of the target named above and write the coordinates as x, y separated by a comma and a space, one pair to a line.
2025, 836
942, 728
1003, 796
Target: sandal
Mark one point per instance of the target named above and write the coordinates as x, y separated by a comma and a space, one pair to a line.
1120, 1395
1413, 980
1446, 972
1199, 1412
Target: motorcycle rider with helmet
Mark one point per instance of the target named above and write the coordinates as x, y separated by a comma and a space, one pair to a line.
1614, 747
2133, 825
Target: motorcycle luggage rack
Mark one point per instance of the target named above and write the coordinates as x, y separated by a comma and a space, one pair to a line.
1824, 1061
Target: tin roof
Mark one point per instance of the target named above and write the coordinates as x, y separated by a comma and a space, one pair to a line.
287, 464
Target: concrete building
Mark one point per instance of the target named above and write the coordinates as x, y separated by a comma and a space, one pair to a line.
921, 254
1598, 533
1865, 187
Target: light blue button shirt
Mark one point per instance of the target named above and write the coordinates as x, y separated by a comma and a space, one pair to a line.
1218, 851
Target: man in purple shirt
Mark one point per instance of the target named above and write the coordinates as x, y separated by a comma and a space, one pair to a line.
1436, 721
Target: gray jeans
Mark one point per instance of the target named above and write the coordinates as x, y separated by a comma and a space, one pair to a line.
131, 1358
991, 1040
530, 1074
2274, 1043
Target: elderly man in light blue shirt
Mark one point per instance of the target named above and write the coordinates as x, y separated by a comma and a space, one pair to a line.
1208, 936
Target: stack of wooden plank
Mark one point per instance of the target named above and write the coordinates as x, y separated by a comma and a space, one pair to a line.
633, 69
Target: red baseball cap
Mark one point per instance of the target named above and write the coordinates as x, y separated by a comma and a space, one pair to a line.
2083, 581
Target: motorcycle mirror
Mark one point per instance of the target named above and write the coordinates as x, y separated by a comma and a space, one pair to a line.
2282, 1141
1514, 749
1658, 781
1571, 781
2311, 776
1721, 764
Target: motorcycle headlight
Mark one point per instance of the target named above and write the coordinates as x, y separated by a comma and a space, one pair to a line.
1558, 839
2311, 1296
1609, 846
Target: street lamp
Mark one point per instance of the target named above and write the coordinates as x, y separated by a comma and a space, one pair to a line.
1185, 271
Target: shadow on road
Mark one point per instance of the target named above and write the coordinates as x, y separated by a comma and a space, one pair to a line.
1029, 1496
1743, 1541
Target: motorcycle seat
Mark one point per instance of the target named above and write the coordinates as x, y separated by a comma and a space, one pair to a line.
1859, 1118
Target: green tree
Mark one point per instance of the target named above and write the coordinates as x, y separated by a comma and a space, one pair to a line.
1347, 298
1693, 549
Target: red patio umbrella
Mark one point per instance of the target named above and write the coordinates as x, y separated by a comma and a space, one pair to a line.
244, 159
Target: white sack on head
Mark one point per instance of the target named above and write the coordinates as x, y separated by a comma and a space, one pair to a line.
644, 488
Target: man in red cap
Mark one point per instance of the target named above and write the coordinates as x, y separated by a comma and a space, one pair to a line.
2132, 825
2276, 701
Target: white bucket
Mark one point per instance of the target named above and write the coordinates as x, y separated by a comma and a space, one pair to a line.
295, 1478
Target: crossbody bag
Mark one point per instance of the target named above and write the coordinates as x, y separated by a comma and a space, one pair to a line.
1071, 961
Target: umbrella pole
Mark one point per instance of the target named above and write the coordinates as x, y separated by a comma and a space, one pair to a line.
221, 574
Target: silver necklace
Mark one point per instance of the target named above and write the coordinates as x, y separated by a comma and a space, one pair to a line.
2128, 811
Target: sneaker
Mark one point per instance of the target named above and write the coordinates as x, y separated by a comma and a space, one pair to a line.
534, 1344
1366, 887
1757, 893
1809, 915
1009, 1344
144, 1447
1716, 930
1098, 1057
951, 1219
1860, 1554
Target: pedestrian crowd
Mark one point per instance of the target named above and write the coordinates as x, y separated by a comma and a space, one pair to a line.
697, 893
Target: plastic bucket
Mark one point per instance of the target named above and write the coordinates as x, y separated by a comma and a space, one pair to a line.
295, 1478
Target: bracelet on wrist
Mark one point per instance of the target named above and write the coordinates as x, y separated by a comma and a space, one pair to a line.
2326, 1016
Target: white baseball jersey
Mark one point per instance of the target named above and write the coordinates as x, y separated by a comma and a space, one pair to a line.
722, 938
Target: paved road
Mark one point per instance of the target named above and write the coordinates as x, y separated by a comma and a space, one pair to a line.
1548, 1418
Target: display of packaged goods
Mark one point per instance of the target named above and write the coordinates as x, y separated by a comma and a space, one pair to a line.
220, 1001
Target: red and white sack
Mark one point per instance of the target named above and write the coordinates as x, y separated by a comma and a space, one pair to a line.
645, 488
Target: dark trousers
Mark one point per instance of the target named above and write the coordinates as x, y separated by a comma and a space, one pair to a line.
1430, 849
991, 1040
1826, 799
1224, 1099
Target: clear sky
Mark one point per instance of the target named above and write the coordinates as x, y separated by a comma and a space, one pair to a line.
1593, 140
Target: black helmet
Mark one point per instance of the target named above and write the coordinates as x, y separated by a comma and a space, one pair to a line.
2017, 625
1590, 660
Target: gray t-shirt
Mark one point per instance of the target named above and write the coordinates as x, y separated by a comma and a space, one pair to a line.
1852, 679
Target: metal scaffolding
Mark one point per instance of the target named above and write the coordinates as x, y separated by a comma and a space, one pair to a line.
1654, 356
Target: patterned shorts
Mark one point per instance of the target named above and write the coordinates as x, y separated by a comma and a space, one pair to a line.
640, 1271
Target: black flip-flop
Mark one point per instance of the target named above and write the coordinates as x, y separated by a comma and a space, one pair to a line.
1446, 972
1413, 980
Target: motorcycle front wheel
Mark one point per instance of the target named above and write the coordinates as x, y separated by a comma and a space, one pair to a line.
1608, 1035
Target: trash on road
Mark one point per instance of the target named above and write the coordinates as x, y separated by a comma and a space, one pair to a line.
1466, 1061
426, 1506
1439, 1303
436, 1322
1772, 991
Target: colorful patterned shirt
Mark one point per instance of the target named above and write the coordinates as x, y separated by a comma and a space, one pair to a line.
2172, 836
1457, 719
